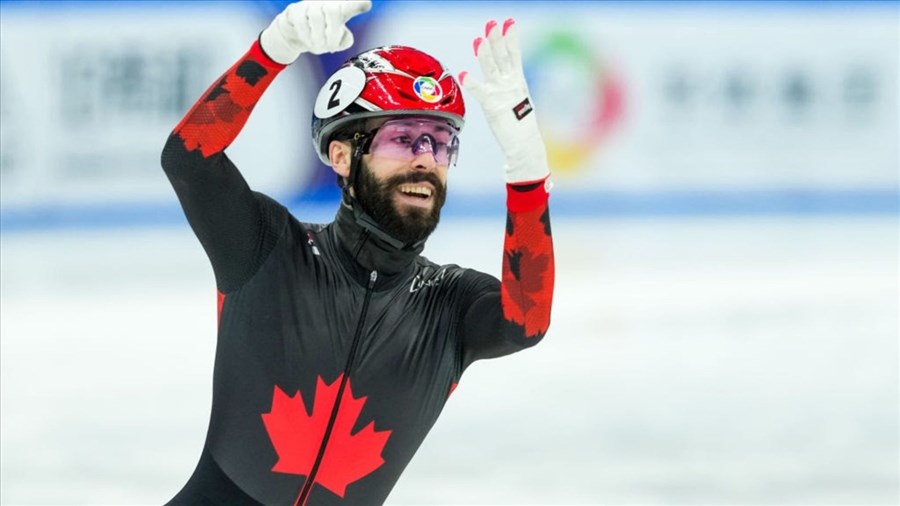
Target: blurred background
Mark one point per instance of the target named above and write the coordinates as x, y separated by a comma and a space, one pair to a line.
725, 215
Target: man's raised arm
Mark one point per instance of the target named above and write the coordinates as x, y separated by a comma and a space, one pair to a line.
517, 313
236, 226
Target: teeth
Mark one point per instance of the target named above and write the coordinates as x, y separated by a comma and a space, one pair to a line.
418, 190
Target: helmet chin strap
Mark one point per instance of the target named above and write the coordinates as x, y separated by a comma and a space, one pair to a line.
361, 217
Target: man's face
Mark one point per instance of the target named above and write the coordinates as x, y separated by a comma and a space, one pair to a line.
402, 182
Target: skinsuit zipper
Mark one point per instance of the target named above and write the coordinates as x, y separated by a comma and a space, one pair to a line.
310, 480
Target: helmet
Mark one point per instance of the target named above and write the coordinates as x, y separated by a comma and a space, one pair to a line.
385, 81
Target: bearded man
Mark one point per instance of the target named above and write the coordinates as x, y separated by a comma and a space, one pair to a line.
339, 343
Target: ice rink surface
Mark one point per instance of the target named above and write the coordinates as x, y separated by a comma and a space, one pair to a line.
690, 361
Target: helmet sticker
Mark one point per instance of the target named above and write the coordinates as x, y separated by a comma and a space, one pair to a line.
428, 89
339, 91
372, 61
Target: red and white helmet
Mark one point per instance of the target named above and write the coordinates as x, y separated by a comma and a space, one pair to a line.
385, 81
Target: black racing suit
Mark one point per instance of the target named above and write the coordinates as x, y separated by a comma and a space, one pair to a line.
336, 351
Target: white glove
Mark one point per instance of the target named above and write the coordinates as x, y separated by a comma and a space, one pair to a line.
506, 103
311, 26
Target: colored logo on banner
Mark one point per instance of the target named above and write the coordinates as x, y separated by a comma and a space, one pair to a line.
579, 99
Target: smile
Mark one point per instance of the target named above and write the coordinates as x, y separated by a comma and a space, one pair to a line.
416, 190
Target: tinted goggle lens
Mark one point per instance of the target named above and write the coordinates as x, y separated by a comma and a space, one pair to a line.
405, 139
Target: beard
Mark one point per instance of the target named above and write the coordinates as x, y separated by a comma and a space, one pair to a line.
409, 225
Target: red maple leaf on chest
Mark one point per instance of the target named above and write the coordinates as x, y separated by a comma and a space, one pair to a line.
298, 435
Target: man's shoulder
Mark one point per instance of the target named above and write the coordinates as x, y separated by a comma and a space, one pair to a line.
428, 270
273, 206
293, 232
425, 266
313, 228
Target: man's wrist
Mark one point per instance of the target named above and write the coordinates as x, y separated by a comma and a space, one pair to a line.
258, 53
528, 164
528, 195
276, 47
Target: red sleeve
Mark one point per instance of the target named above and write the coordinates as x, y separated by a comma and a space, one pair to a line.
528, 268
500, 318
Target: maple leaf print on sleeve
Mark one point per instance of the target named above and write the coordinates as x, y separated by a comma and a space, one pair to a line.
297, 437
218, 117
526, 291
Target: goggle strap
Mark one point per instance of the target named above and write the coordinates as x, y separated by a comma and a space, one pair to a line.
361, 143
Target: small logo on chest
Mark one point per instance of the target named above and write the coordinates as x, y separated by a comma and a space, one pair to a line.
421, 281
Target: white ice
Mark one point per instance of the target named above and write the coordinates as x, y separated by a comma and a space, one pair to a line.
689, 361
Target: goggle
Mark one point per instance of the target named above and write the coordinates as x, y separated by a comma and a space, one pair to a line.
406, 138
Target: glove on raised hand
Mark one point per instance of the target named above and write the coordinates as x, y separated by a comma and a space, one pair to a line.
311, 26
504, 97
